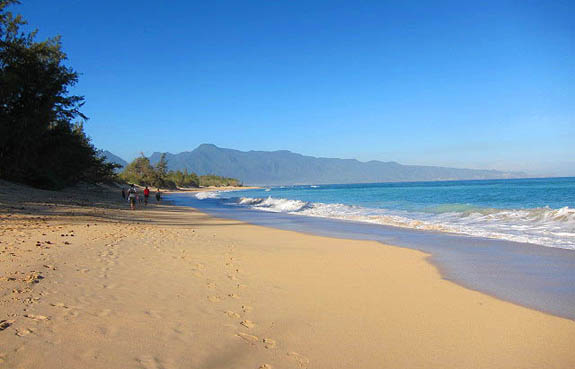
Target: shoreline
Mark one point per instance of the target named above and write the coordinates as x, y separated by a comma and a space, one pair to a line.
202, 289
457, 223
544, 280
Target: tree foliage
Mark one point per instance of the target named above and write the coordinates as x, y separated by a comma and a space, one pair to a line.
161, 171
217, 181
141, 172
184, 179
42, 141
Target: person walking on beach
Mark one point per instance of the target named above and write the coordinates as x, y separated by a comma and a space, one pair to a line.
123, 193
146, 195
132, 195
158, 195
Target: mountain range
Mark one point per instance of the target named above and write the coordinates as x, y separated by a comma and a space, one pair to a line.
114, 159
287, 168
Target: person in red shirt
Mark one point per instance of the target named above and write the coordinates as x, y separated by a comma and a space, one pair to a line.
146, 195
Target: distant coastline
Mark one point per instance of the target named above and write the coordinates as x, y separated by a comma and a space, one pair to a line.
211, 188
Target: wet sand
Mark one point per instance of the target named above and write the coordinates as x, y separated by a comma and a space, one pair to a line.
84, 282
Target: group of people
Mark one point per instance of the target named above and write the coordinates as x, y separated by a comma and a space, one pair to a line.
134, 197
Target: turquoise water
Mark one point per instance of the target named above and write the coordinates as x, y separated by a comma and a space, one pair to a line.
538, 211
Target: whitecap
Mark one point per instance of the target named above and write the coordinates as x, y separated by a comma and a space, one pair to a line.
207, 195
543, 226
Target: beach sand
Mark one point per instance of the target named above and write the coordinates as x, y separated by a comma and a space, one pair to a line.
86, 283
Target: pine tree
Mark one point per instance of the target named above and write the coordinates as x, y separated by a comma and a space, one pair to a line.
42, 141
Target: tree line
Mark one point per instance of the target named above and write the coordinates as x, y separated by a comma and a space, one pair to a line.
42, 139
140, 171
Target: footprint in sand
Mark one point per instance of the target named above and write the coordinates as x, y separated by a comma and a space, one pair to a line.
4, 324
233, 295
214, 299
247, 323
91, 354
246, 308
232, 314
211, 285
23, 332
36, 317
108, 331
265, 366
300, 359
150, 362
71, 314
252, 340
33, 277
104, 313
153, 314
60, 305
269, 343
179, 330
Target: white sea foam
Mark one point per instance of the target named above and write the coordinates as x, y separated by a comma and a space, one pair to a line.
208, 195
274, 205
543, 226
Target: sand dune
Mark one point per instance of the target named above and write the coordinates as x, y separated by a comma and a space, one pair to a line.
92, 285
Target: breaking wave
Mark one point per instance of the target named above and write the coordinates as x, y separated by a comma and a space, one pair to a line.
207, 195
543, 226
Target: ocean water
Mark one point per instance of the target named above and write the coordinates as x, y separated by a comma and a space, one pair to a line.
537, 211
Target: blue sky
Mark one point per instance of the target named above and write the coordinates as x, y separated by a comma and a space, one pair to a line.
487, 84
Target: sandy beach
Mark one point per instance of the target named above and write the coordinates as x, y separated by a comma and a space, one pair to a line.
86, 283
